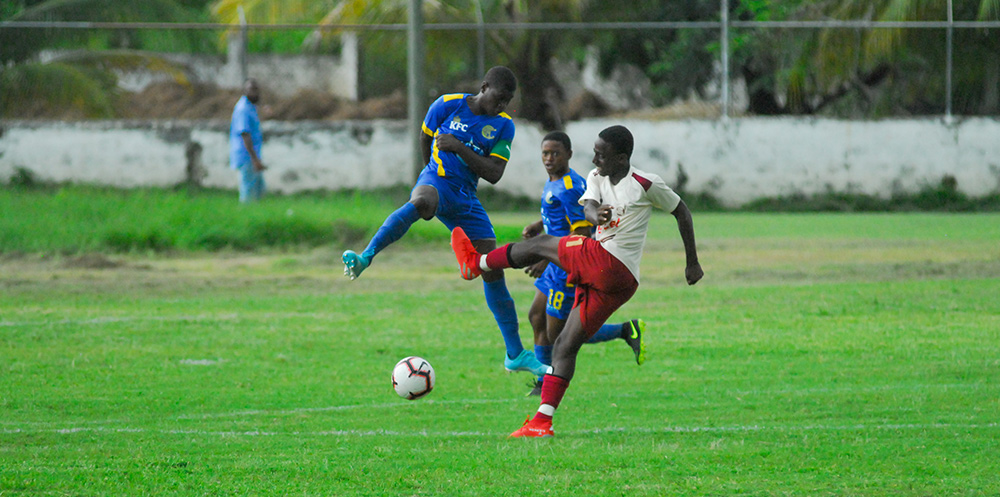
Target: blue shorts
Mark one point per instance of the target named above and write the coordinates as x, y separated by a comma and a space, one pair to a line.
559, 294
458, 207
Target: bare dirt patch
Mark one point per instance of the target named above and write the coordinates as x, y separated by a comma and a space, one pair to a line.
171, 100
91, 261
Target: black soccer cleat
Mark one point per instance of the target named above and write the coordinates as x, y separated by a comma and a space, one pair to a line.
536, 389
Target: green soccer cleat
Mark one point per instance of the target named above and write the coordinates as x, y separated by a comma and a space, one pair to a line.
633, 337
354, 263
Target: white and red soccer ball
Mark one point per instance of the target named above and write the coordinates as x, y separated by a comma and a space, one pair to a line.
413, 377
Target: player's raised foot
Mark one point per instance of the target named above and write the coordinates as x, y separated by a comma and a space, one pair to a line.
534, 428
354, 263
526, 361
536, 388
633, 332
465, 252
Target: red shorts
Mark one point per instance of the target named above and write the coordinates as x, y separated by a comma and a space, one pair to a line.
602, 282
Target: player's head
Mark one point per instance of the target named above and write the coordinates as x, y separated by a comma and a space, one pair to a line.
612, 151
556, 153
497, 90
501, 78
251, 90
620, 138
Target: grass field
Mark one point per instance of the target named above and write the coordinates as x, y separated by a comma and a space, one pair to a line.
823, 354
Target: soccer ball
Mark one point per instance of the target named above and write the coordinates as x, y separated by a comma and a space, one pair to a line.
413, 377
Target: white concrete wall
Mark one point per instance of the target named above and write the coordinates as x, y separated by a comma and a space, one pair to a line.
737, 161
283, 74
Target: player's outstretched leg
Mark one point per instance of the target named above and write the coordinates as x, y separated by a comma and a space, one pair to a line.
392, 229
354, 263
465, 252
632, 333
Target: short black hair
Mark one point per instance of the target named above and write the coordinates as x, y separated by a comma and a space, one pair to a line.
502, 78
559, 136
620, 138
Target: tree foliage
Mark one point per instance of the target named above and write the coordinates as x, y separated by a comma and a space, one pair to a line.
837, 71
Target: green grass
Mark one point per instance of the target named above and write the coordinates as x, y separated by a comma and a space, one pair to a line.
71, 219
823, 354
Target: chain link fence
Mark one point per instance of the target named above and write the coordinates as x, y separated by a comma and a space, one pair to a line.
370, 60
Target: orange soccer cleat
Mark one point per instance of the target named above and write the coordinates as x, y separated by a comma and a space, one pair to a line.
468, 258
535, 429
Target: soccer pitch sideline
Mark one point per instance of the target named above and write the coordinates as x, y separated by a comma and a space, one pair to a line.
821, 355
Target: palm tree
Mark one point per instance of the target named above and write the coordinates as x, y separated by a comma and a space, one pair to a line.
84, 81
916, 56
528, 53
872, 72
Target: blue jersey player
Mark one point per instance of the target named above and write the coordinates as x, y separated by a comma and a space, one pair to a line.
562, 215
464, 137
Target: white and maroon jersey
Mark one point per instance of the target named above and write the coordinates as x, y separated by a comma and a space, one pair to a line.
632, 201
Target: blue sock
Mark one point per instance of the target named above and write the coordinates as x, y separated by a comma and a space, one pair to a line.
607, 333
394, 227
502, 305
544, 354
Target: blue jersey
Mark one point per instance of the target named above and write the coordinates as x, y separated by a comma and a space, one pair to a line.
561, 209
245, 120
485, 135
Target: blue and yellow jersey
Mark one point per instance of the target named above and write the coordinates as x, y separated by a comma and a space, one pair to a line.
561, 209
485, 135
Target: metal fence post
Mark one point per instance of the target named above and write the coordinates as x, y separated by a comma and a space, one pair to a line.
724, 28
244, 46
415, 82
949, 63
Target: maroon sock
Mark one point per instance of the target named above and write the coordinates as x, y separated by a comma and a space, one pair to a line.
498, 258
553, 389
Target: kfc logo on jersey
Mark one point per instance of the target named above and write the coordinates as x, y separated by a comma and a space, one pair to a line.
457, 125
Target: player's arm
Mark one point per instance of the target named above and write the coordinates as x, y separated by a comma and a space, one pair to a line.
596, 213
489, 168
532, 230
426, 147
579, 225
436, 114
248, 144
685, 224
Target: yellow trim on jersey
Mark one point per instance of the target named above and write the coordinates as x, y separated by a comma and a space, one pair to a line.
453, 96
505, 115
579, 224
435, 151
568, 182
427, 131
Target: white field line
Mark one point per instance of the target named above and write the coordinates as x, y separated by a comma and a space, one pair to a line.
260, 412
170, 319
393, 405
460, 434
119, 319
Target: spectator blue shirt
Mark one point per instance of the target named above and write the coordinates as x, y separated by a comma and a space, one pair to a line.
245, 120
